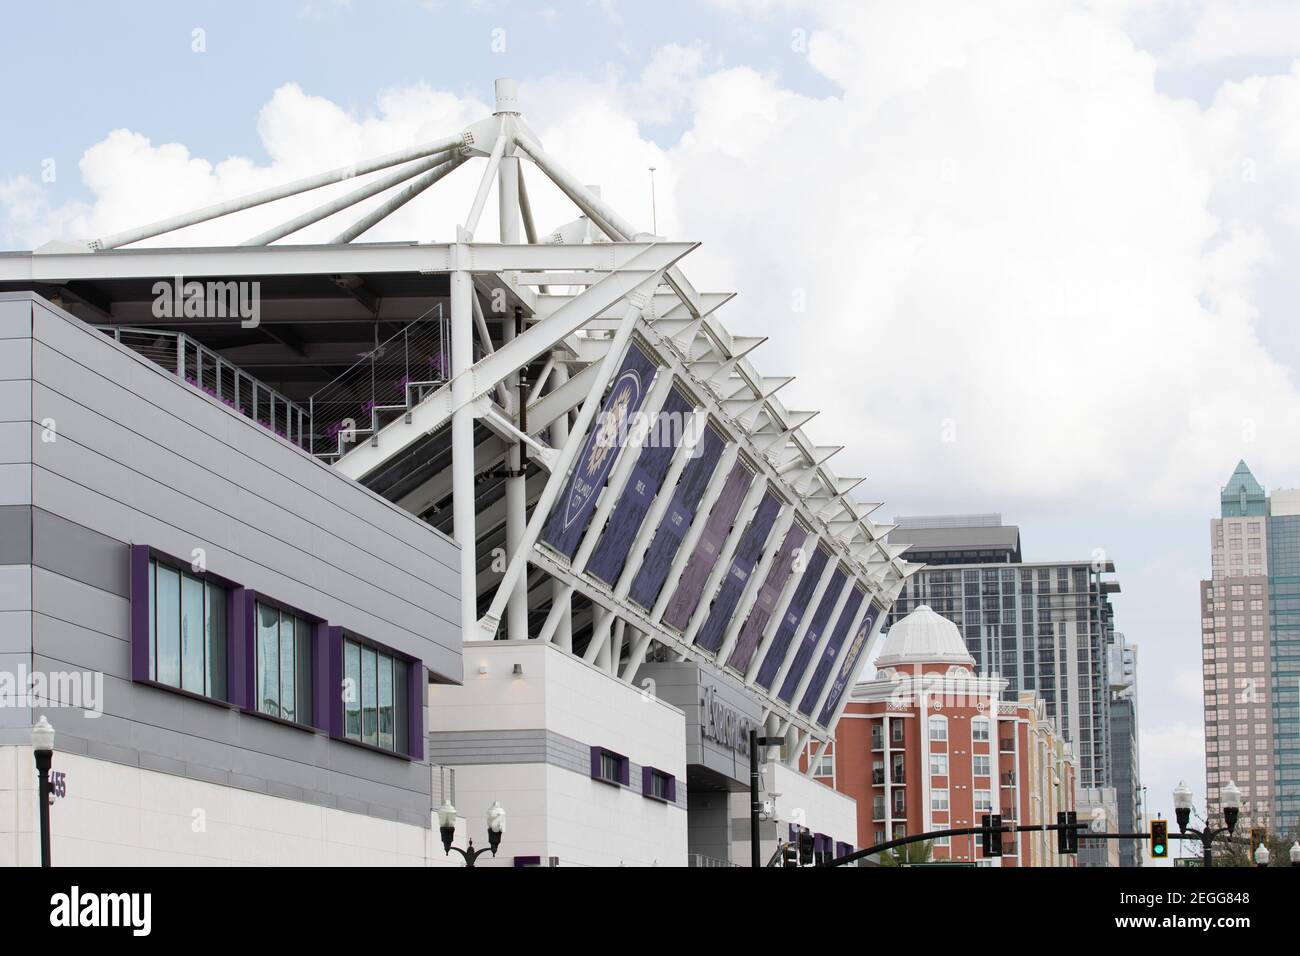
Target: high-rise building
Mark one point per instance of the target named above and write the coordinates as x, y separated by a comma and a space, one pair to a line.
1044, 626
1250, 648
1124, 746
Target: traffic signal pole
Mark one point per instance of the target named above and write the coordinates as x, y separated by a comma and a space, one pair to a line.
1081, 829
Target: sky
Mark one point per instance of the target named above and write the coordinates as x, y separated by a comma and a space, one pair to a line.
1033, 257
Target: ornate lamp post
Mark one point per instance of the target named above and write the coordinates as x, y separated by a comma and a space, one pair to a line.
496, 825
1261, 855
43, 751
1295, 853
1229, 797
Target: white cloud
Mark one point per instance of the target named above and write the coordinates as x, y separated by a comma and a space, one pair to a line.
998, 223
1224, 29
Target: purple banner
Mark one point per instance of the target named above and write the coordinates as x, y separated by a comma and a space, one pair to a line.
647, 476
803, 595
845, 675
831, 651
659, 556
690, 586
820, 619
747, 555
768, 594
568, 519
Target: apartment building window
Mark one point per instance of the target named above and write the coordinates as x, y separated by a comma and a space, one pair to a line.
878, 810
187, 631
980, 765
375, 696
938, 728
896, 731
938, 765
979, 729
284, 655
939, 799
825, 766
983, 801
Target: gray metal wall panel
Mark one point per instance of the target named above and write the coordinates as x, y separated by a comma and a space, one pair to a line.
15, 318
16, 401
15, 587
80, 553
15, 485
15, 534
15, 632
15, 442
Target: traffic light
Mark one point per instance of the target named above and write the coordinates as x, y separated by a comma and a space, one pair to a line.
1067, 838
992, 841
1159, 839
789, 855
807, 844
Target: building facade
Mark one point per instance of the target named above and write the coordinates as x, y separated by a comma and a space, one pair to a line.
1125, 765
1250, 648
184, 593
1043, 626
928, 744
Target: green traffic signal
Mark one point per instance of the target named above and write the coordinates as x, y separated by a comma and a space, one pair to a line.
1159, 839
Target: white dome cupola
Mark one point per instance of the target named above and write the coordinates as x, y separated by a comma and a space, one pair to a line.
924, 637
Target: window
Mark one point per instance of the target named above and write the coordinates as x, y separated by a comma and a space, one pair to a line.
980, 765
938, 728
979, 728
375, 697
658, 785
609, 767
938, 765
825, 766
187, 631
983, 801
939, 799
284, 656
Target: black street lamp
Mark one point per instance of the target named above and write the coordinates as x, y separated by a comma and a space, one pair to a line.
43, 750
1229, 797
496, 825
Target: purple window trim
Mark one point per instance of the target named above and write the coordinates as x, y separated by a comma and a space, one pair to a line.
416, 680
624, 767
842, 849
141, 555
241, 656
528, 861
670, 785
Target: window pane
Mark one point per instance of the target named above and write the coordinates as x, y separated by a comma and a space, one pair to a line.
216, 642
303, 645
401, 705
385, 702
169, 626
192, 634
153, 615
288, 671
268, 660
369, 710
352, 690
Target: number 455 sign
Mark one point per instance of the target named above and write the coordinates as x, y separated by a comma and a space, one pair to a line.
58, 785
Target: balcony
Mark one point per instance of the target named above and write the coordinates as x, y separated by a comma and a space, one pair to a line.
1007, 745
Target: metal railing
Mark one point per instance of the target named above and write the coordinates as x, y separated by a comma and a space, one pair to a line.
397, 374
201, 367
699, 859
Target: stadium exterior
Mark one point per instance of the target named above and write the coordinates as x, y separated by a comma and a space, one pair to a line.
553, 540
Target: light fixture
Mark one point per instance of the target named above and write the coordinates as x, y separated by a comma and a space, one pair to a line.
43, 736
1261, 855
482, 669
1183, 805
1230, 799
519, 670
1295, 853
496, 824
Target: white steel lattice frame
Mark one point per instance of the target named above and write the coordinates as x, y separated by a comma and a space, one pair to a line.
583, 293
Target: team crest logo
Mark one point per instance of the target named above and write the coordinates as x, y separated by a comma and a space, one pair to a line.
607, 437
